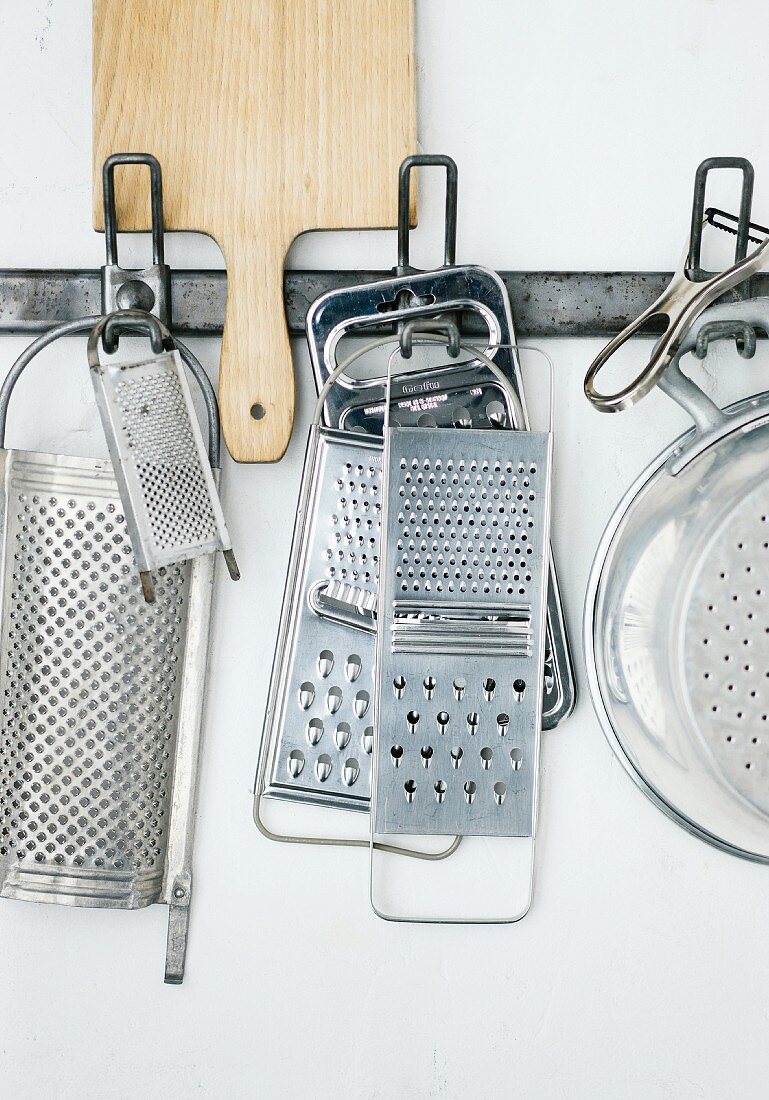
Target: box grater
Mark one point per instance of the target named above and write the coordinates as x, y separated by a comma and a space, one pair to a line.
102, 692
169, 496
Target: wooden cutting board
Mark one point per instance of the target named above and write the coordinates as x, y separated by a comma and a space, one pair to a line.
269, 118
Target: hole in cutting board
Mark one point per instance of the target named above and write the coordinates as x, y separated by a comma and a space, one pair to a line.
258, 411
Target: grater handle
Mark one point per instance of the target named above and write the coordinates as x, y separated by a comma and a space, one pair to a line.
87, 324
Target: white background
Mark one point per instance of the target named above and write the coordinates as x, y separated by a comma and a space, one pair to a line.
643, 967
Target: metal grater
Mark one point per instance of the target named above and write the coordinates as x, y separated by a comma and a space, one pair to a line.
170, 500
102, 692
319, 726
461, 632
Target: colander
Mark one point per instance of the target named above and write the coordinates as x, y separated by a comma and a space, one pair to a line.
676, 626
102, 692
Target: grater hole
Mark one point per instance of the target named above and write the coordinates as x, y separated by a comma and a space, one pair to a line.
443, 721
500, 790
519, 689
516, 759
456, 756
314, 731
361, 704
409, 789
342, 735
440, 790
396, 754
503, 723
489, 687
350, 771
367, 740
306, 695
352, 668
333, 699
412, 720
472, 723
428, 686
470, 788
323, 767
325, 663
399, 686
295, 763
426, 752
486, 758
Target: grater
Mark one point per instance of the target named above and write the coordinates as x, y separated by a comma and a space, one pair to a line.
169, 496
460, 631
449, 291
102, 691
318, 732
460, 655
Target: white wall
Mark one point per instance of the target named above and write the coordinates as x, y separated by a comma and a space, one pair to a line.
643, 967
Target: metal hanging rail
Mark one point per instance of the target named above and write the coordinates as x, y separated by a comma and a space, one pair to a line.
545, 303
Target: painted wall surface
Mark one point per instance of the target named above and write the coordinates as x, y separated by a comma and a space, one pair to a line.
643, 967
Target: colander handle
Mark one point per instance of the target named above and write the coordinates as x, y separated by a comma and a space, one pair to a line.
691, 290
127, 320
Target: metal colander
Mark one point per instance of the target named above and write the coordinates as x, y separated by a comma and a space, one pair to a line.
677, 612
102, 692
169, 495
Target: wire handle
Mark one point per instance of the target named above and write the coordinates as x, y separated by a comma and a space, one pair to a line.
404, 193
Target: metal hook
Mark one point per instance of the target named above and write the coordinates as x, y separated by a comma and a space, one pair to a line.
744, 335
448, 328
700, 216
404, 194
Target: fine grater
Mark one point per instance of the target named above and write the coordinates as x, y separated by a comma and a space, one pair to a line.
169, 496
102, 692
318, 731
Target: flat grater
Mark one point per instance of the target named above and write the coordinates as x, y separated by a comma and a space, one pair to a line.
102, 692
460, 634
169, 496
319, 732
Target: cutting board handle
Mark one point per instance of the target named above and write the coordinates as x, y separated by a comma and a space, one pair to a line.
256, 387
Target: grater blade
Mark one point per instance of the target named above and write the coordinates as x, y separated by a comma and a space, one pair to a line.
464, 551
171, 504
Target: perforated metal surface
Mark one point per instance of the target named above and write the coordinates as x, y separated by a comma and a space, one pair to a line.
320, 720
464, 548
726, 647
91, 679
172, 507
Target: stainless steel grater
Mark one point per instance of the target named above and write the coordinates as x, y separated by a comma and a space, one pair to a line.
460, 656
169, 496
357, 404
318, 732
102, 692
461, 631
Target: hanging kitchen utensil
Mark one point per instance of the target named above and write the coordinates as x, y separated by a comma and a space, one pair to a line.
170, 501
320, 701
460, 651
676, 625
462, 394
102, 692
690, 291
